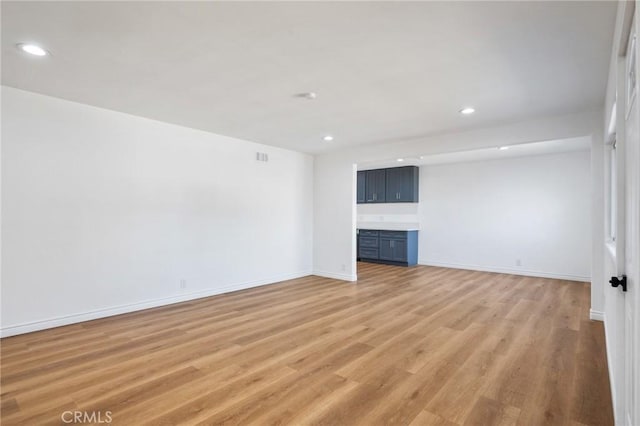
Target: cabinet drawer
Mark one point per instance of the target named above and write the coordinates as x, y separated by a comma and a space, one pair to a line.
367, 233
394, 234
368, 253
369, 242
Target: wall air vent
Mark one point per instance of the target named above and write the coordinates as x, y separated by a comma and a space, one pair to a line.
262, 156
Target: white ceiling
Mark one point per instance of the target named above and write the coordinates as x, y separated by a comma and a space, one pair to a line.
383, 71
520, 150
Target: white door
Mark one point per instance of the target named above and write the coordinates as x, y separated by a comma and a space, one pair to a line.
631, 230
614, 265
625, 255
622, 258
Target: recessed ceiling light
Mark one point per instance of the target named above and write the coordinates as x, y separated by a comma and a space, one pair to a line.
328, 138
32, 49
307, 95
400, 160
502, 148
467, 111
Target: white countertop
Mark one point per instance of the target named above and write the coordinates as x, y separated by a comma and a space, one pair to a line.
389, 226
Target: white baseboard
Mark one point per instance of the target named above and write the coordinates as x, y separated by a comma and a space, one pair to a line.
596, 315
502, 270
335, 276
138, 306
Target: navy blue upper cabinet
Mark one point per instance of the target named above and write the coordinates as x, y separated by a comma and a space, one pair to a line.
361, 187
402, 185
375, 184
394, 185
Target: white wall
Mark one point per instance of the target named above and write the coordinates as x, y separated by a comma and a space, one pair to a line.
104, 212
335, 182
487, 215
394, 213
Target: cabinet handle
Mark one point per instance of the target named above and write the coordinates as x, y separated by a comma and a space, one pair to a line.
397, 195
393, 244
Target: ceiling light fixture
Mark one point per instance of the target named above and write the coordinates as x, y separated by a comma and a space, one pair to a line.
307, 95
328, 138
400, 160
502, 148
32, 49
467, 111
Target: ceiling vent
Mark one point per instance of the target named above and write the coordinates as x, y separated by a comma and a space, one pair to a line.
262, 156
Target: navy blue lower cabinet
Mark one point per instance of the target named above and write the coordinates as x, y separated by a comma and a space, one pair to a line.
391, 247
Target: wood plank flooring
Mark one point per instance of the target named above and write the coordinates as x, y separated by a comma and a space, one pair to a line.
402, 346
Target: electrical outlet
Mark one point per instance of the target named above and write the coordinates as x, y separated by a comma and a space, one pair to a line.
344, 267
518, 262
183, 284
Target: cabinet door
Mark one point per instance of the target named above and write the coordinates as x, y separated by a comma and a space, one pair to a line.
402, 185
381, 181
400, 250
393, 249
361, 187
386, 249
394, 184
408, 185
370, 186
375, 186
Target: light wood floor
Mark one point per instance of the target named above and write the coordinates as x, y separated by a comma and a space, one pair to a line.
419, 346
